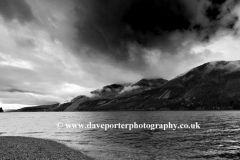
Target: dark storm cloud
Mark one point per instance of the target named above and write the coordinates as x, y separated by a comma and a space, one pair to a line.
16, 9
110, 27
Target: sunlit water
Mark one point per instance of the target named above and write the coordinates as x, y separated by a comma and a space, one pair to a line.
218, 137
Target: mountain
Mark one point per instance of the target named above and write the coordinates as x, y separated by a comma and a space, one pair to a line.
214, 85
115, 90
111, 92
108, 92
211, 86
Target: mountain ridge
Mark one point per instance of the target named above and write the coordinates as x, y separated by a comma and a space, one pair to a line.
210, 86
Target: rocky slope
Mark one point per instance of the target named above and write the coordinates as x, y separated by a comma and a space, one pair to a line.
211, 86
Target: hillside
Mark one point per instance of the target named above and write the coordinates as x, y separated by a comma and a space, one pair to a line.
211, 86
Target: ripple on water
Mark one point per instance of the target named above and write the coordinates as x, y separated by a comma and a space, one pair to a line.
217, 139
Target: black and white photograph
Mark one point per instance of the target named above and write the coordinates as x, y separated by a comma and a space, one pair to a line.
119, 80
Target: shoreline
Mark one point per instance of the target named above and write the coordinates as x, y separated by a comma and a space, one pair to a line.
17, 147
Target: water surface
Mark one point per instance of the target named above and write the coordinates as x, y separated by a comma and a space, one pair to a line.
218, 137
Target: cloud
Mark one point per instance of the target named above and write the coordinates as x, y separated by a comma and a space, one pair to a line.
129, 36
18, 90
46, 72
223, 65
51, 50
16, 9
122, 30
128, 89
37, 74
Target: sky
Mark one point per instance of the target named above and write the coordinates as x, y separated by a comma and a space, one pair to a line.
54, 50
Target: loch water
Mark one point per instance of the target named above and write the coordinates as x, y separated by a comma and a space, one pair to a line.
217, 138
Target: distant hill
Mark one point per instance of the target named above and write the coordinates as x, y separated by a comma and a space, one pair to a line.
211, 86
40, 108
